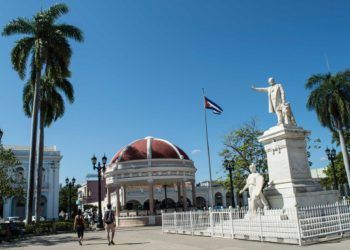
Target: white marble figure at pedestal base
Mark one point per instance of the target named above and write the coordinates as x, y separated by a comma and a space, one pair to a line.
255, 183
290, 181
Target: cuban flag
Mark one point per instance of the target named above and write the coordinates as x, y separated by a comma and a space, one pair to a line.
213, 106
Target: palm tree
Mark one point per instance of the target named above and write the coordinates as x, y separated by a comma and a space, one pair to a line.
51, 108
47, 44
330, 98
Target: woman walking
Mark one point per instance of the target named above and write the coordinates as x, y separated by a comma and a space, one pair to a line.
79, 226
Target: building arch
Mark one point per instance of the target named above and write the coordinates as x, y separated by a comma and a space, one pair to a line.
133, 205
201, 202
18, 206
168, 203
43, 206
218, 199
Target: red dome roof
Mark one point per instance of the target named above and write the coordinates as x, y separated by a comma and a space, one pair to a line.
149, 148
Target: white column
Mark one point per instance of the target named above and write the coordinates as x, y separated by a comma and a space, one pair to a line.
51, 182
108, 195
184, 196
178, 192
117, 201
124, 196
151, 197
193, 185
224, 201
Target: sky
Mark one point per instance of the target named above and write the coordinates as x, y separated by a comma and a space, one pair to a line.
143, 64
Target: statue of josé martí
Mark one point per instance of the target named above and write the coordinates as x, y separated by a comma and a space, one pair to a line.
255, 183
277, 102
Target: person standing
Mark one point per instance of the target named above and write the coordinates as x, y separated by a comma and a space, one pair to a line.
109, 220
79, 226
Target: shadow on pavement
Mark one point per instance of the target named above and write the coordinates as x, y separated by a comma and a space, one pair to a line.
123, 229
44, 241
132, 243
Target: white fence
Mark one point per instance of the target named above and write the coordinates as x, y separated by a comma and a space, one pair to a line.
294, 226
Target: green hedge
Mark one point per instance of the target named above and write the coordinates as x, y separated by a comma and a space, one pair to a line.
48, 227
64, 226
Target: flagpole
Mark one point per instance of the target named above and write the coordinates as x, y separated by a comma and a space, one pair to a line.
209, 163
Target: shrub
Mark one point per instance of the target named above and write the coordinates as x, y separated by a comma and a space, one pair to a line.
29, 228
64, 226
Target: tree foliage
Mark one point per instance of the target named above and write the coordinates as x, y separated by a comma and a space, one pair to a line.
335, 138
52, 103
242, 146
64, 198
339, 172
11, 184
46, 48
330, 99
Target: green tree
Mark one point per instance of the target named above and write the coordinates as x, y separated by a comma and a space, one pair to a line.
330, 99
51, 108
339, 172
243, 147
11, 184
47, 44
335, 138
64, 198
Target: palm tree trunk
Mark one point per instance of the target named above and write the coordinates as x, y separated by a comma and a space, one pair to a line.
32, 154
345, 154
40, 168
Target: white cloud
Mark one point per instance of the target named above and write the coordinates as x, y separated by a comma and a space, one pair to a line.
196, 151
322, 159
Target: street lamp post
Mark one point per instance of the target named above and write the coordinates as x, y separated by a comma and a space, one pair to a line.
331, 154
70, 184
99, 169
229, 165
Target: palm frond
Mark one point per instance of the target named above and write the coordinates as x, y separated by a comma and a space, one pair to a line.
18, 26
20, 54
27, 97
66, 88
56, 11
70, 31
316, 80
330, 98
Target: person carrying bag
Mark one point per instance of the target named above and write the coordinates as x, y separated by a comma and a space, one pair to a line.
109, 220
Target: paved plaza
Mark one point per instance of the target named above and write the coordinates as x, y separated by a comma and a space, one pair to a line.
146, 238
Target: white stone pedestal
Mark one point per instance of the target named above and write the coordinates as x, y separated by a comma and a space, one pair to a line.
290, 182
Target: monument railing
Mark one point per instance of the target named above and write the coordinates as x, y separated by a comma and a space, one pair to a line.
294, 226
325, 221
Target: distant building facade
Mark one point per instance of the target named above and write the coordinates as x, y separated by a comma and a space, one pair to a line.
15, 206
88, 192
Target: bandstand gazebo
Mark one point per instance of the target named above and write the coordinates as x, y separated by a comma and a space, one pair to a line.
150, 163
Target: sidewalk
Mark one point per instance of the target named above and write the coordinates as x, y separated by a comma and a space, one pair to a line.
151, 238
